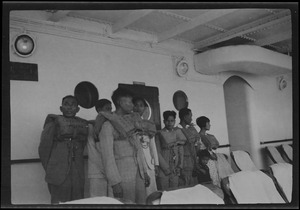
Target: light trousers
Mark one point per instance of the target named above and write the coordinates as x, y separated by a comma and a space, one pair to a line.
99, 187
135, 190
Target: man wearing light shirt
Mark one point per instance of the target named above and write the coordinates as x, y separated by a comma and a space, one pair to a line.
97, 180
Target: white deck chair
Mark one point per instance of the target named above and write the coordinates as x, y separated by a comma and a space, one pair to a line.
243, 160
96, 200
274, 154
252, 187
283, 172
198, 194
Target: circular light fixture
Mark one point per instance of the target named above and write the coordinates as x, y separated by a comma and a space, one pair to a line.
24, 45
282, 84
182, 68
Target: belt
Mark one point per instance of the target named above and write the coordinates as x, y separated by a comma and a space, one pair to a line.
65, 139
68, 139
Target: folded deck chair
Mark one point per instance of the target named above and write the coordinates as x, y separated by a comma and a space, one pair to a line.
287, 152
228, 196
198, 194
223, 166
283, 172
274, 154
243, 160
251, 187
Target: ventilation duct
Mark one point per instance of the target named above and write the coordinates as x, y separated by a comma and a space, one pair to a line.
243, 58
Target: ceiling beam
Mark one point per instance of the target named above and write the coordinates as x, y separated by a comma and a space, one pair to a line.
245, 29
273, 39
193, 23
58, 15
129, 19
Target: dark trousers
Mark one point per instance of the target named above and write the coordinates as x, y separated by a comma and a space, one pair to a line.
166, 182
71, 189
187, 179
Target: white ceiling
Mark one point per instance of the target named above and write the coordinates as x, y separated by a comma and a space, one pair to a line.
203, 29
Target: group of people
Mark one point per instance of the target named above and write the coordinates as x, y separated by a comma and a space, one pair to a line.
128, 158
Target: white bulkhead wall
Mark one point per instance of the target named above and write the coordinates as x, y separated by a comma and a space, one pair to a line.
66, 58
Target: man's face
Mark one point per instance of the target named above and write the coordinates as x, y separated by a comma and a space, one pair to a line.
126, 104
170, 122
204, 160
188, 118
106, 108
69, 107
139, 107
207, 126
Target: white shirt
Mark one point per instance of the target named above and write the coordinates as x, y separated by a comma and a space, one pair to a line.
95, 166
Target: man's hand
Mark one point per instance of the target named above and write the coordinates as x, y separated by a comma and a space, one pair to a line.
147, 180
167, 172
117, 190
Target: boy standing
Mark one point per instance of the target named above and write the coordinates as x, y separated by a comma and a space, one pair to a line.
169, 144
147, 141
97, 180
61, 152
193, 141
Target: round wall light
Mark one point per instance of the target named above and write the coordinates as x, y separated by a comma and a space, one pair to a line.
24, 45
282, 84
182, 68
